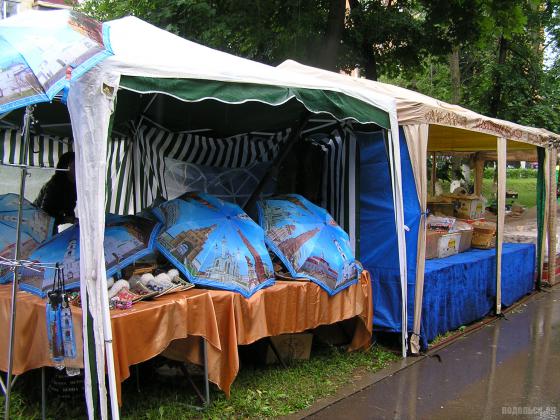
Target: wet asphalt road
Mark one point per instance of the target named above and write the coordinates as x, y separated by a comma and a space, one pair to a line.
507, 369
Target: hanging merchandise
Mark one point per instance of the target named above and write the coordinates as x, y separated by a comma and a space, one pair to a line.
60, 327
54, 334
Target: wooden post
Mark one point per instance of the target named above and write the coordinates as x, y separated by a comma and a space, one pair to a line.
478, 174
434, 174
552, 217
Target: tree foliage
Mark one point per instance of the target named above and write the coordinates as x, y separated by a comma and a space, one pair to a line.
498, 57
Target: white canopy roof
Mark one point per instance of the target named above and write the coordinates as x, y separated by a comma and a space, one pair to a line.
144, 51
417, 108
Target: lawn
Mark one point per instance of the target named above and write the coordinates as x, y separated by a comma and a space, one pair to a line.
258, 392
526, 187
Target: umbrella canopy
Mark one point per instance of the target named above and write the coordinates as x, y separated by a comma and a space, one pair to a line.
36, 227
40, 52
309, 242
214, 243
127, 238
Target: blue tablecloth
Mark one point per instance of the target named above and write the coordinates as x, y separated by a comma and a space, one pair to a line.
457, 290
461, 289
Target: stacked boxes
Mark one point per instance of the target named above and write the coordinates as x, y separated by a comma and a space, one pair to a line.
441, 245
446, 236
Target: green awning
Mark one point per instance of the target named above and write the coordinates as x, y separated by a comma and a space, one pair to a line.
337, 104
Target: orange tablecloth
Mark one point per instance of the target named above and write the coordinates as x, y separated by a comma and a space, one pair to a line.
224, 319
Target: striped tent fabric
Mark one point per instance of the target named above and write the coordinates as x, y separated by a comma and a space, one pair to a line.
136, 166
154, 145
45, 149
340, 156
120, 192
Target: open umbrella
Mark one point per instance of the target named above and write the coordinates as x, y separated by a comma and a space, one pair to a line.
36, 227
309, 242
127, 238
41, 51
214, 243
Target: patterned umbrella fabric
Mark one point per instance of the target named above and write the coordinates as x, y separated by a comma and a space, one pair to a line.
127, 238
309, 242
36, 227
214, 243
41, 51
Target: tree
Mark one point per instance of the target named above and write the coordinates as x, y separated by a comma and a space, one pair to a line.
267, 31
484, 54
383, 37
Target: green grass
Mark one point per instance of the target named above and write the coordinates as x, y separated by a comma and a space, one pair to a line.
442, 337
527, 189
258, 392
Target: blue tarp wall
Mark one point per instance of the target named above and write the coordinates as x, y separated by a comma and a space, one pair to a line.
378, 240
457, 290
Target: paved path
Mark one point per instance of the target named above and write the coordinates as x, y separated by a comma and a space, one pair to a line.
507, 369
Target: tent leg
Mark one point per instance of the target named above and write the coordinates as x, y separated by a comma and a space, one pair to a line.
14, 302
552, 219
43, 394
9, 383
502, 162
204, 345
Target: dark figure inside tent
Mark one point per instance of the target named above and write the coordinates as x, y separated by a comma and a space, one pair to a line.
58, 196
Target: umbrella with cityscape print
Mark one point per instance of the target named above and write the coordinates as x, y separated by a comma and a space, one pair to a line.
36, 227
40, 52
127, 239
214, 243
309, 242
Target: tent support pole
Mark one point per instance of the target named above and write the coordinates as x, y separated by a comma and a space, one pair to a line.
26, 127
294, 137
502, 162
552, 218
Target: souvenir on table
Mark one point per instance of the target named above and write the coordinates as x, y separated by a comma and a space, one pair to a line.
127, 239
309, 242
214, 243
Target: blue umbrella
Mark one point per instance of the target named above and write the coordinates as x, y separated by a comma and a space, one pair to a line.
214, 243
127, 238
36, 227
41, 51
309, 242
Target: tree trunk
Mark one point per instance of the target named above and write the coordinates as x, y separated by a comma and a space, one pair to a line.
455, 75
496, 95
370, 70
368, 55
327, 58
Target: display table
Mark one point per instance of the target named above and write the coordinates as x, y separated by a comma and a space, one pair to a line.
224, 319
460, 289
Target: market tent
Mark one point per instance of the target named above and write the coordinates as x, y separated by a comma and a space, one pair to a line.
167, 71
432, 125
